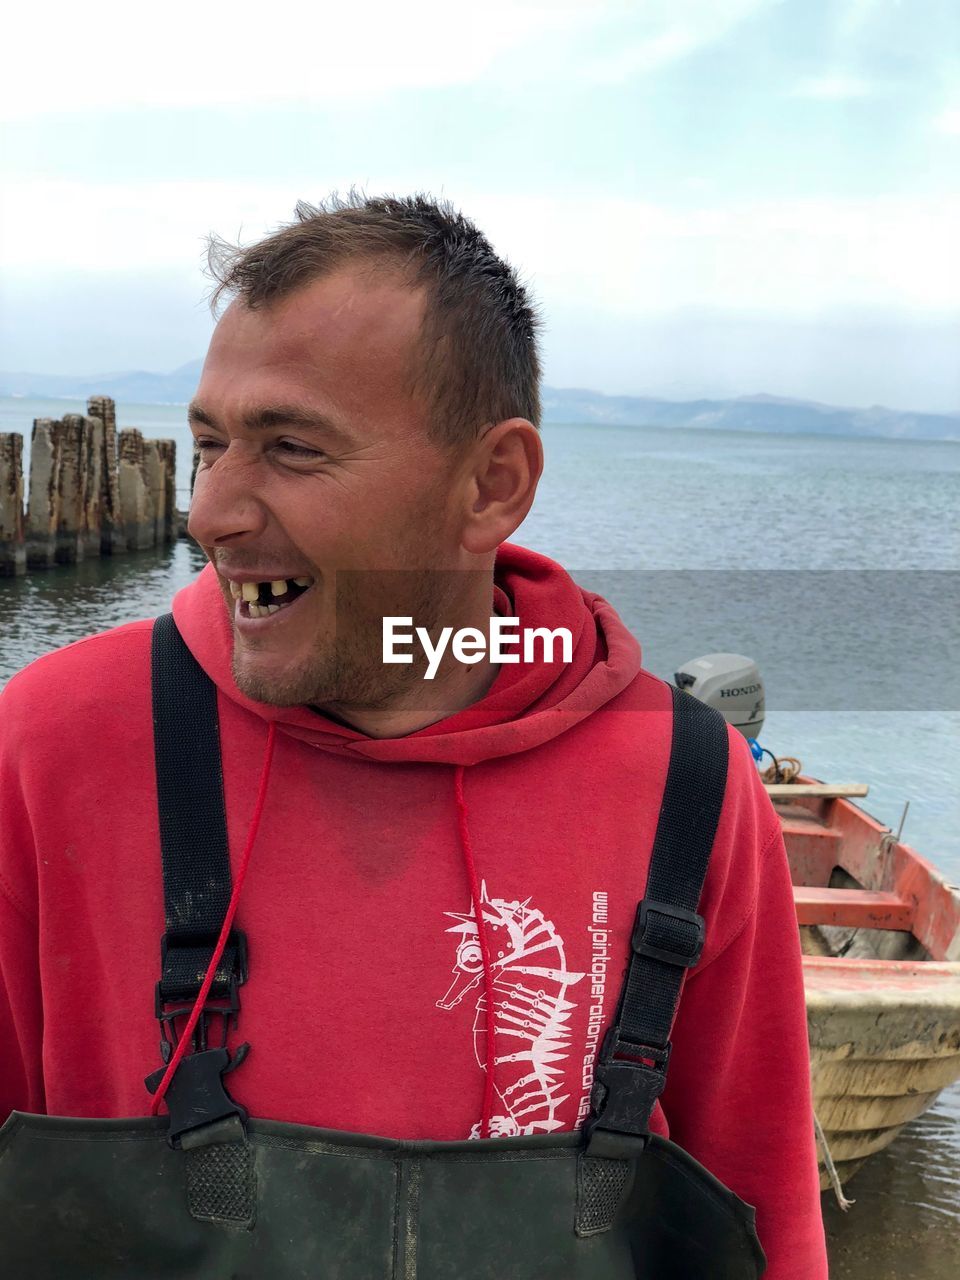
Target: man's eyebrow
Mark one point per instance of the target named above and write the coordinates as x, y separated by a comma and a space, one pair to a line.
279, 415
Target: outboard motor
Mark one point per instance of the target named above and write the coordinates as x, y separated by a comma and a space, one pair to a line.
731, 683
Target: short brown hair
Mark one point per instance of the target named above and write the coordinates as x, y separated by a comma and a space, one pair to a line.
479, 347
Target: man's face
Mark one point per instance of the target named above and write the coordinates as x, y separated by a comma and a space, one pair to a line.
347, 492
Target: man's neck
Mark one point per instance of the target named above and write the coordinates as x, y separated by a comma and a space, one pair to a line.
409, 712
455, 686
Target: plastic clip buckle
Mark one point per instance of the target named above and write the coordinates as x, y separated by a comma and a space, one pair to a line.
694, 932
228, 1010
624, 1093
196, 1096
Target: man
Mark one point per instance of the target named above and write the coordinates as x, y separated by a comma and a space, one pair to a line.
415, 852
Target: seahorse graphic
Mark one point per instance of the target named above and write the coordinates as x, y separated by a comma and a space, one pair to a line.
531, 1013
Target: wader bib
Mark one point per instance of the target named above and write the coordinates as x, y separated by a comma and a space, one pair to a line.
210, 1192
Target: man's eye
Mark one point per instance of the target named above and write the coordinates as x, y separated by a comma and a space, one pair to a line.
297, 450
286, 447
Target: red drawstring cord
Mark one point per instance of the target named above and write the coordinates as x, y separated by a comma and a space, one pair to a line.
185, 1038
491, 1053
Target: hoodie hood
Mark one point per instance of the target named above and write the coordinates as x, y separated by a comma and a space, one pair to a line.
528, 703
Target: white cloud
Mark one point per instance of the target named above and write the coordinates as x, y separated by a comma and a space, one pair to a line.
948, 122
52, 224
113, 54
790, 257
834, 88
853, 15
625, 257
657, 33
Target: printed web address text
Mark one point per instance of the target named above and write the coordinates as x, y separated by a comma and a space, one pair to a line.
599, 959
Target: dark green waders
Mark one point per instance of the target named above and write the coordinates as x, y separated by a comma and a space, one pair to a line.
208, 1192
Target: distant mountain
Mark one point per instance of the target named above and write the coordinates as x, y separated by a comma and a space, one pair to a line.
133, 387
745, 413
748, 413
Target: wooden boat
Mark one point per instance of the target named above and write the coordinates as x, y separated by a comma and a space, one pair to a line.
880, 932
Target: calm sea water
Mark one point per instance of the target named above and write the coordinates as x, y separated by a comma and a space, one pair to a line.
832, 562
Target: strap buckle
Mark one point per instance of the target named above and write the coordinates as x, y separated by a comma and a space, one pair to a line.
200, 1107
625, 1090
196, 1097
234, 954
227, 1005
228, 1009
661, 940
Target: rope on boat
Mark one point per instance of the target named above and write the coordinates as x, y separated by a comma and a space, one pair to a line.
783, 769
888, 838
842, 1200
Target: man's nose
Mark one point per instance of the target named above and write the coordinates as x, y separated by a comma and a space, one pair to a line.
225, 506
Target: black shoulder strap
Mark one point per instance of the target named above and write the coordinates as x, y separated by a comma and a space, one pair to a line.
193, 826
631, 1068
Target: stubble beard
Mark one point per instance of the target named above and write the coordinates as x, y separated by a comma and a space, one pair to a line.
345, 667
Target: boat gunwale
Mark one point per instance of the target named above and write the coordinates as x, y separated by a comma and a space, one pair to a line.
899, 869
869, 964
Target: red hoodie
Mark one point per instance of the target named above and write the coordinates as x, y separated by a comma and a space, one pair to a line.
362, 1002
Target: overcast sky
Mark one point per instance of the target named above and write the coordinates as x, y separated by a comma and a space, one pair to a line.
706, 196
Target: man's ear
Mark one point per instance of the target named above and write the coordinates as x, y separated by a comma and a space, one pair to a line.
503, 470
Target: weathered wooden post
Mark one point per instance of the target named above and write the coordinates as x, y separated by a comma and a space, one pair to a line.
71, 485
43, 503
13, 551
136, 505
89, 545
112, 540
169, 530
154, 478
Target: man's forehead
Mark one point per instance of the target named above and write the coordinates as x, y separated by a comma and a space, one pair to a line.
344, 346
335, 312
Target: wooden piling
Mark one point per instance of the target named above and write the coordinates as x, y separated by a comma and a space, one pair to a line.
112, 540
92, 491
43, 503
168, 529
135, 511
72, 487
91, 523
13, 553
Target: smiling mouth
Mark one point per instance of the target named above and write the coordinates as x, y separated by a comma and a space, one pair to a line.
264, 599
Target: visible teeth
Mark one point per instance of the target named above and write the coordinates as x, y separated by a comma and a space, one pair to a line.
250, 590
235, 591
279, 588
264, 610
301, 582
